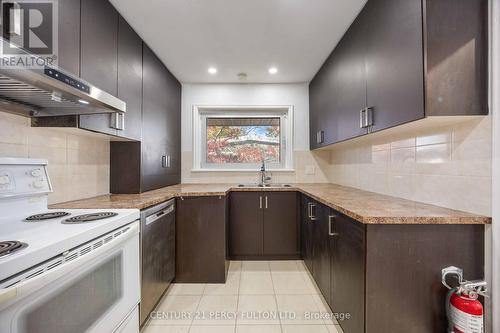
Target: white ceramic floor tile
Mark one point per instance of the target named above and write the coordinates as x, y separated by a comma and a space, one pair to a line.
235, 266
211, 329
323, 306
313, 287
255, 283
283, 266
231, 287
258, 329
303, 307
255, 266
257, 309
176, 310
305, 329
216, 310
165, 329
290, 283
186, 289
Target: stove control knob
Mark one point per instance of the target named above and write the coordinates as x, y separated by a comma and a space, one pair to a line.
38, 184
36, 172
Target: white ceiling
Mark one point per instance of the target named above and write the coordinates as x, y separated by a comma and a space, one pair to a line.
237, 36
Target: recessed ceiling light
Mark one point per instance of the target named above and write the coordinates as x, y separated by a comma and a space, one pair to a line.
212, 70
273, 70
83, 101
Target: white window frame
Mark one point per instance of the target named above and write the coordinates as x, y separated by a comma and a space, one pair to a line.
201, 113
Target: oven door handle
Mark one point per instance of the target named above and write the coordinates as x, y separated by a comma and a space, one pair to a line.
32, 284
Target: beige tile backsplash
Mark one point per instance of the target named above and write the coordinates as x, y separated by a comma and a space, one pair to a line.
446, 165
78, 160
302, 159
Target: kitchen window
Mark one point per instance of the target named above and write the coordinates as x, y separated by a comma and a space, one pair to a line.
240, 139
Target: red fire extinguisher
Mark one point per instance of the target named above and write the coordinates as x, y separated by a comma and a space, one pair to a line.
465, 312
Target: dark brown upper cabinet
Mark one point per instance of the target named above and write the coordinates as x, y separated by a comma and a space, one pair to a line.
154, 162
130, 79
394, 62
398, 63
264, 225
69, 36
161, 121
99, 56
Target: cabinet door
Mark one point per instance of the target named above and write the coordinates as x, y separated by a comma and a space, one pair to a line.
394, 61
130, 79
321, 252
281, 231
173, 129
246, 224
348, 271
201, 240
69, 36
99, 56
154, 121
348, 84
319, 107
306, 232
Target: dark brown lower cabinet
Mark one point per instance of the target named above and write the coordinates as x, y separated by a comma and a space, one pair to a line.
281, 230
347, 271
201, 240
306, 232
387, 278
264, 225
246, 227
321, 250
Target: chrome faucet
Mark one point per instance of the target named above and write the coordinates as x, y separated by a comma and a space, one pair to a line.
263, 177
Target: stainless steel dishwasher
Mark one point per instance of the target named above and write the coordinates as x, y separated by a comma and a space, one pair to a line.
157, 254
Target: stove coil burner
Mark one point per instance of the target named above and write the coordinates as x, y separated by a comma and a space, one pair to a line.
45, 216
9, 247
88, 218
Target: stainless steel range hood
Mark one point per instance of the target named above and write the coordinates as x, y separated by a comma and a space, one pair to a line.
50, 91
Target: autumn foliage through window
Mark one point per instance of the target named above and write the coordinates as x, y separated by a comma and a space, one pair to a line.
243, 140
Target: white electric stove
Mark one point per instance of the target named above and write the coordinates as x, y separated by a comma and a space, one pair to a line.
73, 270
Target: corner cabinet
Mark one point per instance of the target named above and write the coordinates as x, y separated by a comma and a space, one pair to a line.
386, 278
264, 225
389, 68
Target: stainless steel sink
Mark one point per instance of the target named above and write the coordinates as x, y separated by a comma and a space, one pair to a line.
264, 186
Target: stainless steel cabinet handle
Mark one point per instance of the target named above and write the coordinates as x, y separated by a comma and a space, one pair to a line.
260, 204
366, 117
266, 201
164, 161
311, 213
330, 228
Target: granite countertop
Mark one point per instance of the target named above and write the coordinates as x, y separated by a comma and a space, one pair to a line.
366, 207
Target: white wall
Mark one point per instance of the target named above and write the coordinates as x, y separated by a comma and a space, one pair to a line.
296, 94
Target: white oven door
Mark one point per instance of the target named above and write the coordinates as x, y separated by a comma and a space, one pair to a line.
93, 289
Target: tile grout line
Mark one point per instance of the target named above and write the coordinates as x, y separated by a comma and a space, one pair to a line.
238, 296
275, 298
